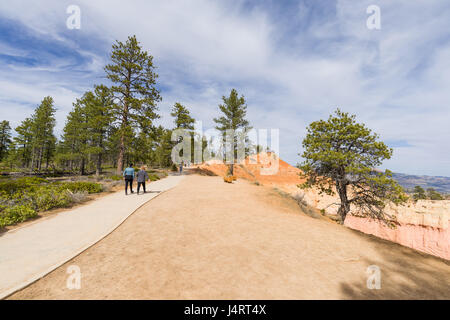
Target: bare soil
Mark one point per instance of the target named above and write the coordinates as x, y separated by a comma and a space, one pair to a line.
206, 239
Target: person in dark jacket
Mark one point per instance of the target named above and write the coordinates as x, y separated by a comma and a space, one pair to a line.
128, 175
141, 176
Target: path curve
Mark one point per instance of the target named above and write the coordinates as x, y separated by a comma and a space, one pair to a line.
29, 253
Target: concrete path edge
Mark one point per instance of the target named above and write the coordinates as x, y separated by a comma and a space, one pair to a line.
11, 291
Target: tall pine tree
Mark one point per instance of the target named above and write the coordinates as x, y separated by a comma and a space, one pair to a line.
98, 109
5, 138
134, 79
183, 120
234, 112
43, 140
74, 140
23, 142
182, 117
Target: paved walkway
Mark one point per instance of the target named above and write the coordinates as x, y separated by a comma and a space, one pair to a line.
28, 253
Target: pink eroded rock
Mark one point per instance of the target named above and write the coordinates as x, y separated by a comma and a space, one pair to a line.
425, 238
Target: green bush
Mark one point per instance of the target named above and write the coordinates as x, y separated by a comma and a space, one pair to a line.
23, 198
16, 214
12, 186
434, 195
153, 177
163, 174
89, 187
115, 177
47, 199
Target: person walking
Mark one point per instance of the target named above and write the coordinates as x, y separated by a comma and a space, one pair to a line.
181, 167
141, 176
128, 175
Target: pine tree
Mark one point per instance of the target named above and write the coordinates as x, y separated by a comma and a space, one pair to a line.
87, 131
23, 142
5, 138
73, 144
43, 139
163, 146
132, 73
183, 119
340, 156
419, 193
234, 112
98, 108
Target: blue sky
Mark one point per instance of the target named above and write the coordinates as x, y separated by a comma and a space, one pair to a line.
294, 61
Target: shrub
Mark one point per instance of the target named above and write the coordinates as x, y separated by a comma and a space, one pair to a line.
434, 195
110, 185
228, 179
163, 174
153, 177
23, 198
419, 193
12, 186
80, 186
46, 199
78, 197
16, 214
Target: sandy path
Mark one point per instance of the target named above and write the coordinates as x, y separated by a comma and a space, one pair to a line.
206, 239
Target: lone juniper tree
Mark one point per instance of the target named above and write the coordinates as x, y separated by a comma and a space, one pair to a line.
340, 155
134, 79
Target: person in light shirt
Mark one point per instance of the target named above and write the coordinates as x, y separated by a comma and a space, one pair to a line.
141, 176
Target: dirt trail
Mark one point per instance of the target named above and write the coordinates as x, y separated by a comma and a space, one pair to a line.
206, 239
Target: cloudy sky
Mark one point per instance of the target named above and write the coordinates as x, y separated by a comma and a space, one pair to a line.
294, 61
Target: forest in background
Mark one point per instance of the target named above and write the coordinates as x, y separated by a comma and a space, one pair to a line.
108, 127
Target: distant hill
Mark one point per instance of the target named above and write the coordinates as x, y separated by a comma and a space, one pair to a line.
408, 181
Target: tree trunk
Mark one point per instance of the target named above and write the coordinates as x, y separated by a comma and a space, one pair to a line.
32, 160
40, 159
99, 165
120, 158
122, 140
82, 167
345, 205
47, 158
